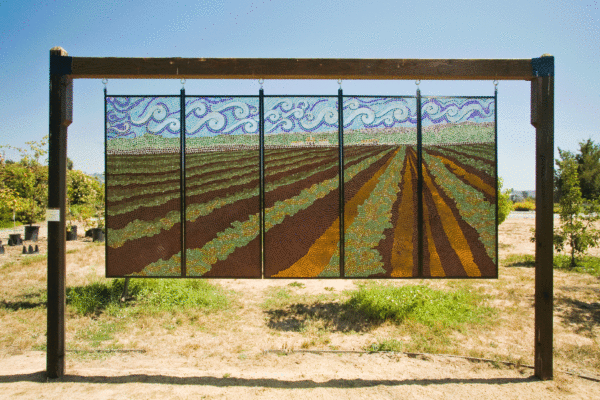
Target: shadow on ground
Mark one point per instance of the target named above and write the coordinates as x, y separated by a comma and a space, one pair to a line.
331, 316
583, 316
257, 382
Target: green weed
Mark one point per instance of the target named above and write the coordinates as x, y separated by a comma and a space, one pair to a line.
386, 345
587, 264
421, 304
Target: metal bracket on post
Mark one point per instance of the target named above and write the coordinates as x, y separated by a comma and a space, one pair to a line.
543, 66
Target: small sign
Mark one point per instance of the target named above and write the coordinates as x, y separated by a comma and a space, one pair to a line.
53, 214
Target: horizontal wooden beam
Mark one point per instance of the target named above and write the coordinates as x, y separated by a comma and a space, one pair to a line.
307, 68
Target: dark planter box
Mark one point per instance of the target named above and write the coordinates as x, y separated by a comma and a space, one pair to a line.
72, 234
31, 233
14, 239
97, 235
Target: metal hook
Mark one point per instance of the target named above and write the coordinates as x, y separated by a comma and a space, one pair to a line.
260, 82
182, 83
104, 82
496, 84
418, 82
340, 82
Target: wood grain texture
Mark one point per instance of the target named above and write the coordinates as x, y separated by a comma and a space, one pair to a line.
310, 68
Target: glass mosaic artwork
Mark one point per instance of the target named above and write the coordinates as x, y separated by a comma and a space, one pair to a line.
143, 192
459, 187
222, 230
302, 232
380, 186
211, 177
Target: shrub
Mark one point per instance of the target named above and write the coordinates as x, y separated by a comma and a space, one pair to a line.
524, 206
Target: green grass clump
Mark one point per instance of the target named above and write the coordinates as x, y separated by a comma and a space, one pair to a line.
156, 293
421, 304
94, 297
587, 264
168, 294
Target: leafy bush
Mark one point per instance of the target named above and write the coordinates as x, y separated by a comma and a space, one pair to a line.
504, 204
524, 206
420, 304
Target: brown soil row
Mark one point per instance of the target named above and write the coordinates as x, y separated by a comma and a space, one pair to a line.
386, 245
289, 241
239, 263
460, 153
487, 179
135, 255
449, 258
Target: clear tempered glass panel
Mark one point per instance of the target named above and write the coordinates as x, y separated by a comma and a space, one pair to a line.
143, 227
380, 186
459, 187
302, 233
222, 187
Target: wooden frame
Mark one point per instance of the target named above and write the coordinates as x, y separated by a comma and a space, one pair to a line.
63, 69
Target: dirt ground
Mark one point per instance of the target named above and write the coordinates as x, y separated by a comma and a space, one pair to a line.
244, 356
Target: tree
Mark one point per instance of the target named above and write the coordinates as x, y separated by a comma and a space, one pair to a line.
577, 218
588, 169
504, 203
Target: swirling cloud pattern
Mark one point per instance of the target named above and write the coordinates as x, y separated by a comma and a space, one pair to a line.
301, 114
379, 112
131, 117
212, 116
455, 110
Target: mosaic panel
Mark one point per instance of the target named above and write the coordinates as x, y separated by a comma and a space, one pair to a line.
459, 187
302, 227
143, 227
222, 161
380, 186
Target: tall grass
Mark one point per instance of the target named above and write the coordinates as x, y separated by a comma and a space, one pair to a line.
421, 304
154, 294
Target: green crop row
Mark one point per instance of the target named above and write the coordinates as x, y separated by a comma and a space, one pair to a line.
471, 203
138, 229
471, 151
242, 232
465, 160
161, 199
374, 216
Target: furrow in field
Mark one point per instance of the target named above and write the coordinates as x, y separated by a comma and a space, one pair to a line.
465, 154
215, 251
374, 215
150, 221
466, 174
484, 170
470, 202
403, 258
465, 254
227, 180
316, 235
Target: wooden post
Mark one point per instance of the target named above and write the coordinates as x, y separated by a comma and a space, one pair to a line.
61, 110
542, 117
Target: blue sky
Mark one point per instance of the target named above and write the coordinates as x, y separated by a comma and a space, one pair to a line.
569, 30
